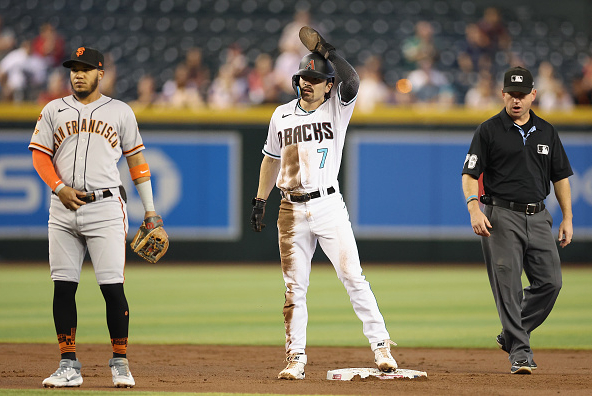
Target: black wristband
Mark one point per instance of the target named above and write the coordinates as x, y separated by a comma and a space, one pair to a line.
258, 202
324, 49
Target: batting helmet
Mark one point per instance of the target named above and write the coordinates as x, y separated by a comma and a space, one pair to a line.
313, 65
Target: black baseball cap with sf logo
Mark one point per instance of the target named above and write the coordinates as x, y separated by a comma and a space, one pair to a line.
518, 79
88, 56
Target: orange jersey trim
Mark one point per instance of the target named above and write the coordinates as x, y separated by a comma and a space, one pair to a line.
132, 150
44, 167
141, 170
40, 147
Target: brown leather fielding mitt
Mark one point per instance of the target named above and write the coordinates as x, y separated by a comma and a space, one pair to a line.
314, 41
151, 241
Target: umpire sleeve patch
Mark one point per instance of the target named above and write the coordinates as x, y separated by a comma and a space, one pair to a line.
472, 160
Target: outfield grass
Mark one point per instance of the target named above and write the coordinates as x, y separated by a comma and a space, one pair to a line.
437, 306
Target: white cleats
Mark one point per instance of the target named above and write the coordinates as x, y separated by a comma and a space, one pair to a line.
122, 377
295, 368
382, 355
68, 374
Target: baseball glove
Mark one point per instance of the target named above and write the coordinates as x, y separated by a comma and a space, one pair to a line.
151, 241
314, 41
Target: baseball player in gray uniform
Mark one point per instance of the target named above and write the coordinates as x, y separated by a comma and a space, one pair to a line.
302, 156
76, 145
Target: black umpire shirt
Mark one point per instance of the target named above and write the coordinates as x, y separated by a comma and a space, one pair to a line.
512, 169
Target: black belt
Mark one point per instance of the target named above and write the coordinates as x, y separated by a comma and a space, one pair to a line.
529, 209
90, 196
307, 196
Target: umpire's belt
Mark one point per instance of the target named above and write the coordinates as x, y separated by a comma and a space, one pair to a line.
529, 209
101, 194
307, 196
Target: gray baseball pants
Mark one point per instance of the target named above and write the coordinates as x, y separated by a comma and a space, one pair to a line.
521, 242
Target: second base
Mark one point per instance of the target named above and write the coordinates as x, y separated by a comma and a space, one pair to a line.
348, 374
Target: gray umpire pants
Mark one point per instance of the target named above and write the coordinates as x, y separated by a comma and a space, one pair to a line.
521, 242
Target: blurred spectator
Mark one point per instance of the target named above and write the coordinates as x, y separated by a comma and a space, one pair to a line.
109, 81
551, 92
286, 64
483, 94
147, 95
430, 85
7, 39
49, 44
496, 34
289, 40
237, 61
177, 93
291, 52
473, 56
421, 46
230, 87
262, 87
582, 86
226, 90
22, 74
198, 73
373, 90
58, 86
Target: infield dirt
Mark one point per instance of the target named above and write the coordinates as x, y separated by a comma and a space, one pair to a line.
250, 369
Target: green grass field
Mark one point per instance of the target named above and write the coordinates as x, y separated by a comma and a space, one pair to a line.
437, 306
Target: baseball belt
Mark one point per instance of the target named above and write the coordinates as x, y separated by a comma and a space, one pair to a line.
91, 197
529, 209
307, 196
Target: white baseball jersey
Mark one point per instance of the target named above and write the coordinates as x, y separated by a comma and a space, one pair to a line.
310, 145
87, 141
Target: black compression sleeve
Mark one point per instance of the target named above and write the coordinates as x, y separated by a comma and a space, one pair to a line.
117, 317
348, 76
65, 317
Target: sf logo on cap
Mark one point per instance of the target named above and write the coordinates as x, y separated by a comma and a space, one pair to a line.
516, 78
80, 51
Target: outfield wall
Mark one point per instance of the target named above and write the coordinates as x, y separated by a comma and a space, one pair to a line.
401, 182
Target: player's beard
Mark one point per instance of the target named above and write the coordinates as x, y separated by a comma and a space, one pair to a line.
82, 94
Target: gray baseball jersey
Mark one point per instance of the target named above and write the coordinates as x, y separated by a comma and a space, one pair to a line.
87, 141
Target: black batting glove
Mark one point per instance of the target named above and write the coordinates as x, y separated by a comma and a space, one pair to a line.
257, 214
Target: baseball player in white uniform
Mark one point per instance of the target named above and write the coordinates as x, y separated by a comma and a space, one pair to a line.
302, 156
76, 145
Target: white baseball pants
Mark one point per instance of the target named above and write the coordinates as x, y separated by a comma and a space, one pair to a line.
300, 225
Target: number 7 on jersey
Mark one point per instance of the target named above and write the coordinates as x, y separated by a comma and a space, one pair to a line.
324, 151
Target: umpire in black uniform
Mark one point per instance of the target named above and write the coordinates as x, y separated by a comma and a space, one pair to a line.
519, 155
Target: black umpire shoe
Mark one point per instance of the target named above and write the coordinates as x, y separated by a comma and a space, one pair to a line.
533, 365
501, 342
521, 367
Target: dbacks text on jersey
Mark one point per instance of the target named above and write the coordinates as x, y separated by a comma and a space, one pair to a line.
305, 133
